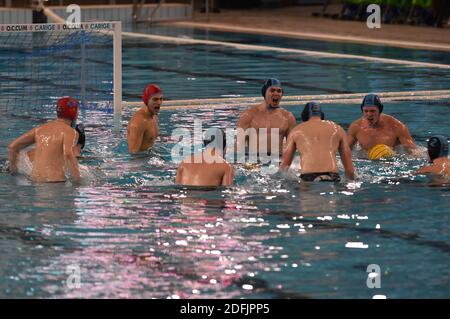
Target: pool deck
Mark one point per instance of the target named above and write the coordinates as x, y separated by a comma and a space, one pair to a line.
298, 22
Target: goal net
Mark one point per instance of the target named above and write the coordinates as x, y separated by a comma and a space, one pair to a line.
39, 63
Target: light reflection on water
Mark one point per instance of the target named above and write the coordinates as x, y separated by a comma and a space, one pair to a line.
136, 234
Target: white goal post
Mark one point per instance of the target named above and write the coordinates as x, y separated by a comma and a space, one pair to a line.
41, 62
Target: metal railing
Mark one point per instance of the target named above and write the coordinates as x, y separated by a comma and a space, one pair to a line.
138, 8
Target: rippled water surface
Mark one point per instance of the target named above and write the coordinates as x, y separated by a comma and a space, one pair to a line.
131, 232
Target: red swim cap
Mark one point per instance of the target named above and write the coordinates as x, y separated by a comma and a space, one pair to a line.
67, 108
149, 90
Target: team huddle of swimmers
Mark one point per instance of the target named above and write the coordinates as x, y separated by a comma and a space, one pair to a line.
51, 149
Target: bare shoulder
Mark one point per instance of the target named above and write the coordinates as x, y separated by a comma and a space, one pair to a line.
335, 126
250, 111
298, 127
247, 116
37, 128
69, 132
390, 120
137, 119
286, 113
355, 126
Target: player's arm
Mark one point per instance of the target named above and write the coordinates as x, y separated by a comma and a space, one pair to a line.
291, 122
405, 137
351, 135
242, 125
288, 154
19, 143
179, 178
135, 136
70, 140
228, 177
346, 155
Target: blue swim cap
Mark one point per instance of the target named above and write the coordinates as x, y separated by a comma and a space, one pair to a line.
312, 109
269, 82
372, 100
437, 147
216, 136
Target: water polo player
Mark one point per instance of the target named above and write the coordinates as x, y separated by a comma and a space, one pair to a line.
317, 141
209, 167
143, 126
438, 154
267, 116
375, 128
55, 142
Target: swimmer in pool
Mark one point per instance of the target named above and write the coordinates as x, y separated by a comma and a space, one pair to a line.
438, 154
55, 142
25, 157
143, 126
375, 128
209, 167
266, 116
317, 141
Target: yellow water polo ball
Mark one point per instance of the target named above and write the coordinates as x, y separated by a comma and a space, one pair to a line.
380, 151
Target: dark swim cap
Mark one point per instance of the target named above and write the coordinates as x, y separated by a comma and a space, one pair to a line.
270, 82
372, 100
437, 147
81, 135
312, 109
213, 135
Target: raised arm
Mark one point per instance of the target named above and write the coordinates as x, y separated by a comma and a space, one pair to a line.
288, 154
70, 140
346, 155
18, 144
135, 136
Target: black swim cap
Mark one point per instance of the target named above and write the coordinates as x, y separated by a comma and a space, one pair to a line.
213, 135
312, 109
270, 82
437, 147
372, 100
81, 135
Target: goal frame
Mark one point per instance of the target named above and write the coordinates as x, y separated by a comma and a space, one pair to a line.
101, 26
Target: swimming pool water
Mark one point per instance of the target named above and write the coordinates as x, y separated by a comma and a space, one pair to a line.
134, 233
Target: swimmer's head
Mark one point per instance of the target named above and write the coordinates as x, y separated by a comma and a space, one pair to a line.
215, 137
312, 109
67, 108
371, 107
372, 100
272, 92
437, 147
153, 97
